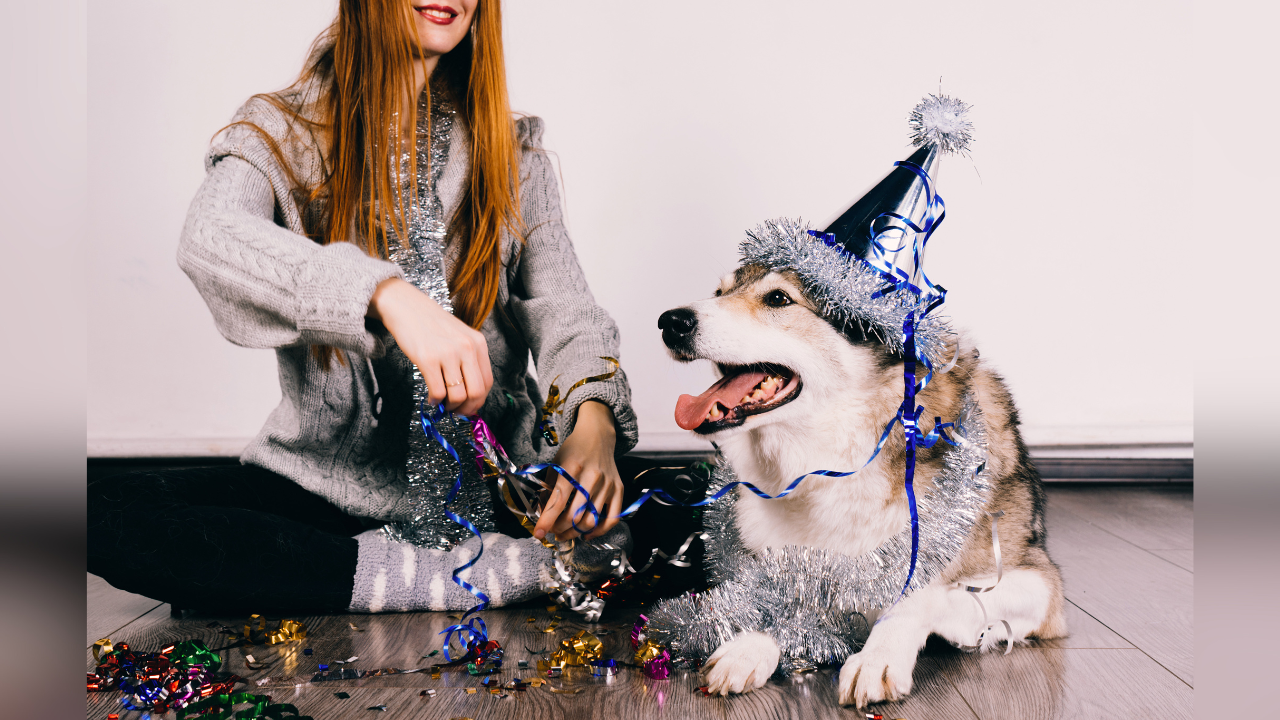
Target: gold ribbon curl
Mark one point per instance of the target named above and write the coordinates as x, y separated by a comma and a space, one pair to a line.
555, 403
577, 650
288, 630
103, 647
647, 651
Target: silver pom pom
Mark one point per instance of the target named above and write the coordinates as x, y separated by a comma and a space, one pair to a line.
939, 120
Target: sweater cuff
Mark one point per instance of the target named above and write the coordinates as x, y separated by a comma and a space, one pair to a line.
333, 298
614, 392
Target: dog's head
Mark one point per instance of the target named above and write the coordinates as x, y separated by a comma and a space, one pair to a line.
778, 357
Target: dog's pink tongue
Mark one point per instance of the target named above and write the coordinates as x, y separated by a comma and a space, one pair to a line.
691, 411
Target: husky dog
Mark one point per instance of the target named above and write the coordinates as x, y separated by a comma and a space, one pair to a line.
799, 394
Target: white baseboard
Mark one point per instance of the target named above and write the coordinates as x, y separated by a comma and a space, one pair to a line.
166, 447
1145, 442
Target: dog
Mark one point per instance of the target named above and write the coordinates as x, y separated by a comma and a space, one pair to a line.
797, 394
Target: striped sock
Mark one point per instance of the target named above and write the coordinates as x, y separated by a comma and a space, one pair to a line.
394, 576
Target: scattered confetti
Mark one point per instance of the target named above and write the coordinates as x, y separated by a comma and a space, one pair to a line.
555, 622
523, 663
535, 682
433, 653
306, 651
379, 708
471, 691
341, 695
113, 716
703, 690
323, 667
563, 691
532, 619
534, 652
353, 627
552, 608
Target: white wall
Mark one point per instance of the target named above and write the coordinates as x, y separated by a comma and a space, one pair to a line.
1065, 247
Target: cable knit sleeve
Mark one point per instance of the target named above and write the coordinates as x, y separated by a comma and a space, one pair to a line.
566, 330
269, 286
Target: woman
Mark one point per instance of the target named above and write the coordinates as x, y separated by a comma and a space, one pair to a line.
341, 222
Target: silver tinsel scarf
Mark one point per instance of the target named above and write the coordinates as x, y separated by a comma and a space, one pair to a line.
430, 469
842, 286
809, 600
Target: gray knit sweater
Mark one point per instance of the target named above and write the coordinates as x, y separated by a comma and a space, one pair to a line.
268, 286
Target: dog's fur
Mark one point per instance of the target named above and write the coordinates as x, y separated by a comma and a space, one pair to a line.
851, 385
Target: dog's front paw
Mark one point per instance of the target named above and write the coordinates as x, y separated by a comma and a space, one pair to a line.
742, 664
875, 675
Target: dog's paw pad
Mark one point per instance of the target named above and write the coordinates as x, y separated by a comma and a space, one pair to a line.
871, 677
741, 665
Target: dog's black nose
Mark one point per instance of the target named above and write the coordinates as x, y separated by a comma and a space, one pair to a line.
677, 327
680, 321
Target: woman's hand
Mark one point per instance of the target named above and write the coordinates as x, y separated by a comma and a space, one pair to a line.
452, 356
587, 455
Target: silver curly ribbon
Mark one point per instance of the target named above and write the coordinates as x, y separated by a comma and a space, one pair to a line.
429, 469
565, 589
810, 600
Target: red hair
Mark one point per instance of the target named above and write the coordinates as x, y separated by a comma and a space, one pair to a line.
363, 65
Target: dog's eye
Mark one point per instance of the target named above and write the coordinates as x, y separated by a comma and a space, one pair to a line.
777, 298
719, 292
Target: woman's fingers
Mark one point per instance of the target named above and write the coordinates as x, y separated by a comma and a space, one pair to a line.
551, 511
608, 517
474, 385
455, 384
579, 519
482, 359
434, 381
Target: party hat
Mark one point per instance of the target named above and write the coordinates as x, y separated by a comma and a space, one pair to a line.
938, 126
863, 269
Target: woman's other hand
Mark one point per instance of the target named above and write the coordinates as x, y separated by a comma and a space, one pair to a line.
587, 455
452, 356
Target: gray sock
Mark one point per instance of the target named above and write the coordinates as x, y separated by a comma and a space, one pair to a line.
393, 576
594, 559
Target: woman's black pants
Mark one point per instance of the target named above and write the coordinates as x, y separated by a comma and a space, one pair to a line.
241, 539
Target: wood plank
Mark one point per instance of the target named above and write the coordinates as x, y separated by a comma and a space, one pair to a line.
1144, 599
1086, 633
1152, 517
1032, 684
108, 609
1184, 559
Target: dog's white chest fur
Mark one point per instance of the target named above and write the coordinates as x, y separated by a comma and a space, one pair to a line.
851, 515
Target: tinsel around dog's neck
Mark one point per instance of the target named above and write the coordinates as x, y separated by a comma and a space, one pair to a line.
844, 287
810, 600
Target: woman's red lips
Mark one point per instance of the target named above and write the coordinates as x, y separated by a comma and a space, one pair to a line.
437, 19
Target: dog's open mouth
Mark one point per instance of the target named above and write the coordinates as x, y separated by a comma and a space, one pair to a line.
742, 392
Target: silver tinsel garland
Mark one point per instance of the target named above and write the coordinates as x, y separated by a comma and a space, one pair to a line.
430, 469
842, 287
809, 600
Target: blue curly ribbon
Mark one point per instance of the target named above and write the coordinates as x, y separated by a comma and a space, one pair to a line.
474, 629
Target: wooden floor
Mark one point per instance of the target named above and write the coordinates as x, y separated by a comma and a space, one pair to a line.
1125, 551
